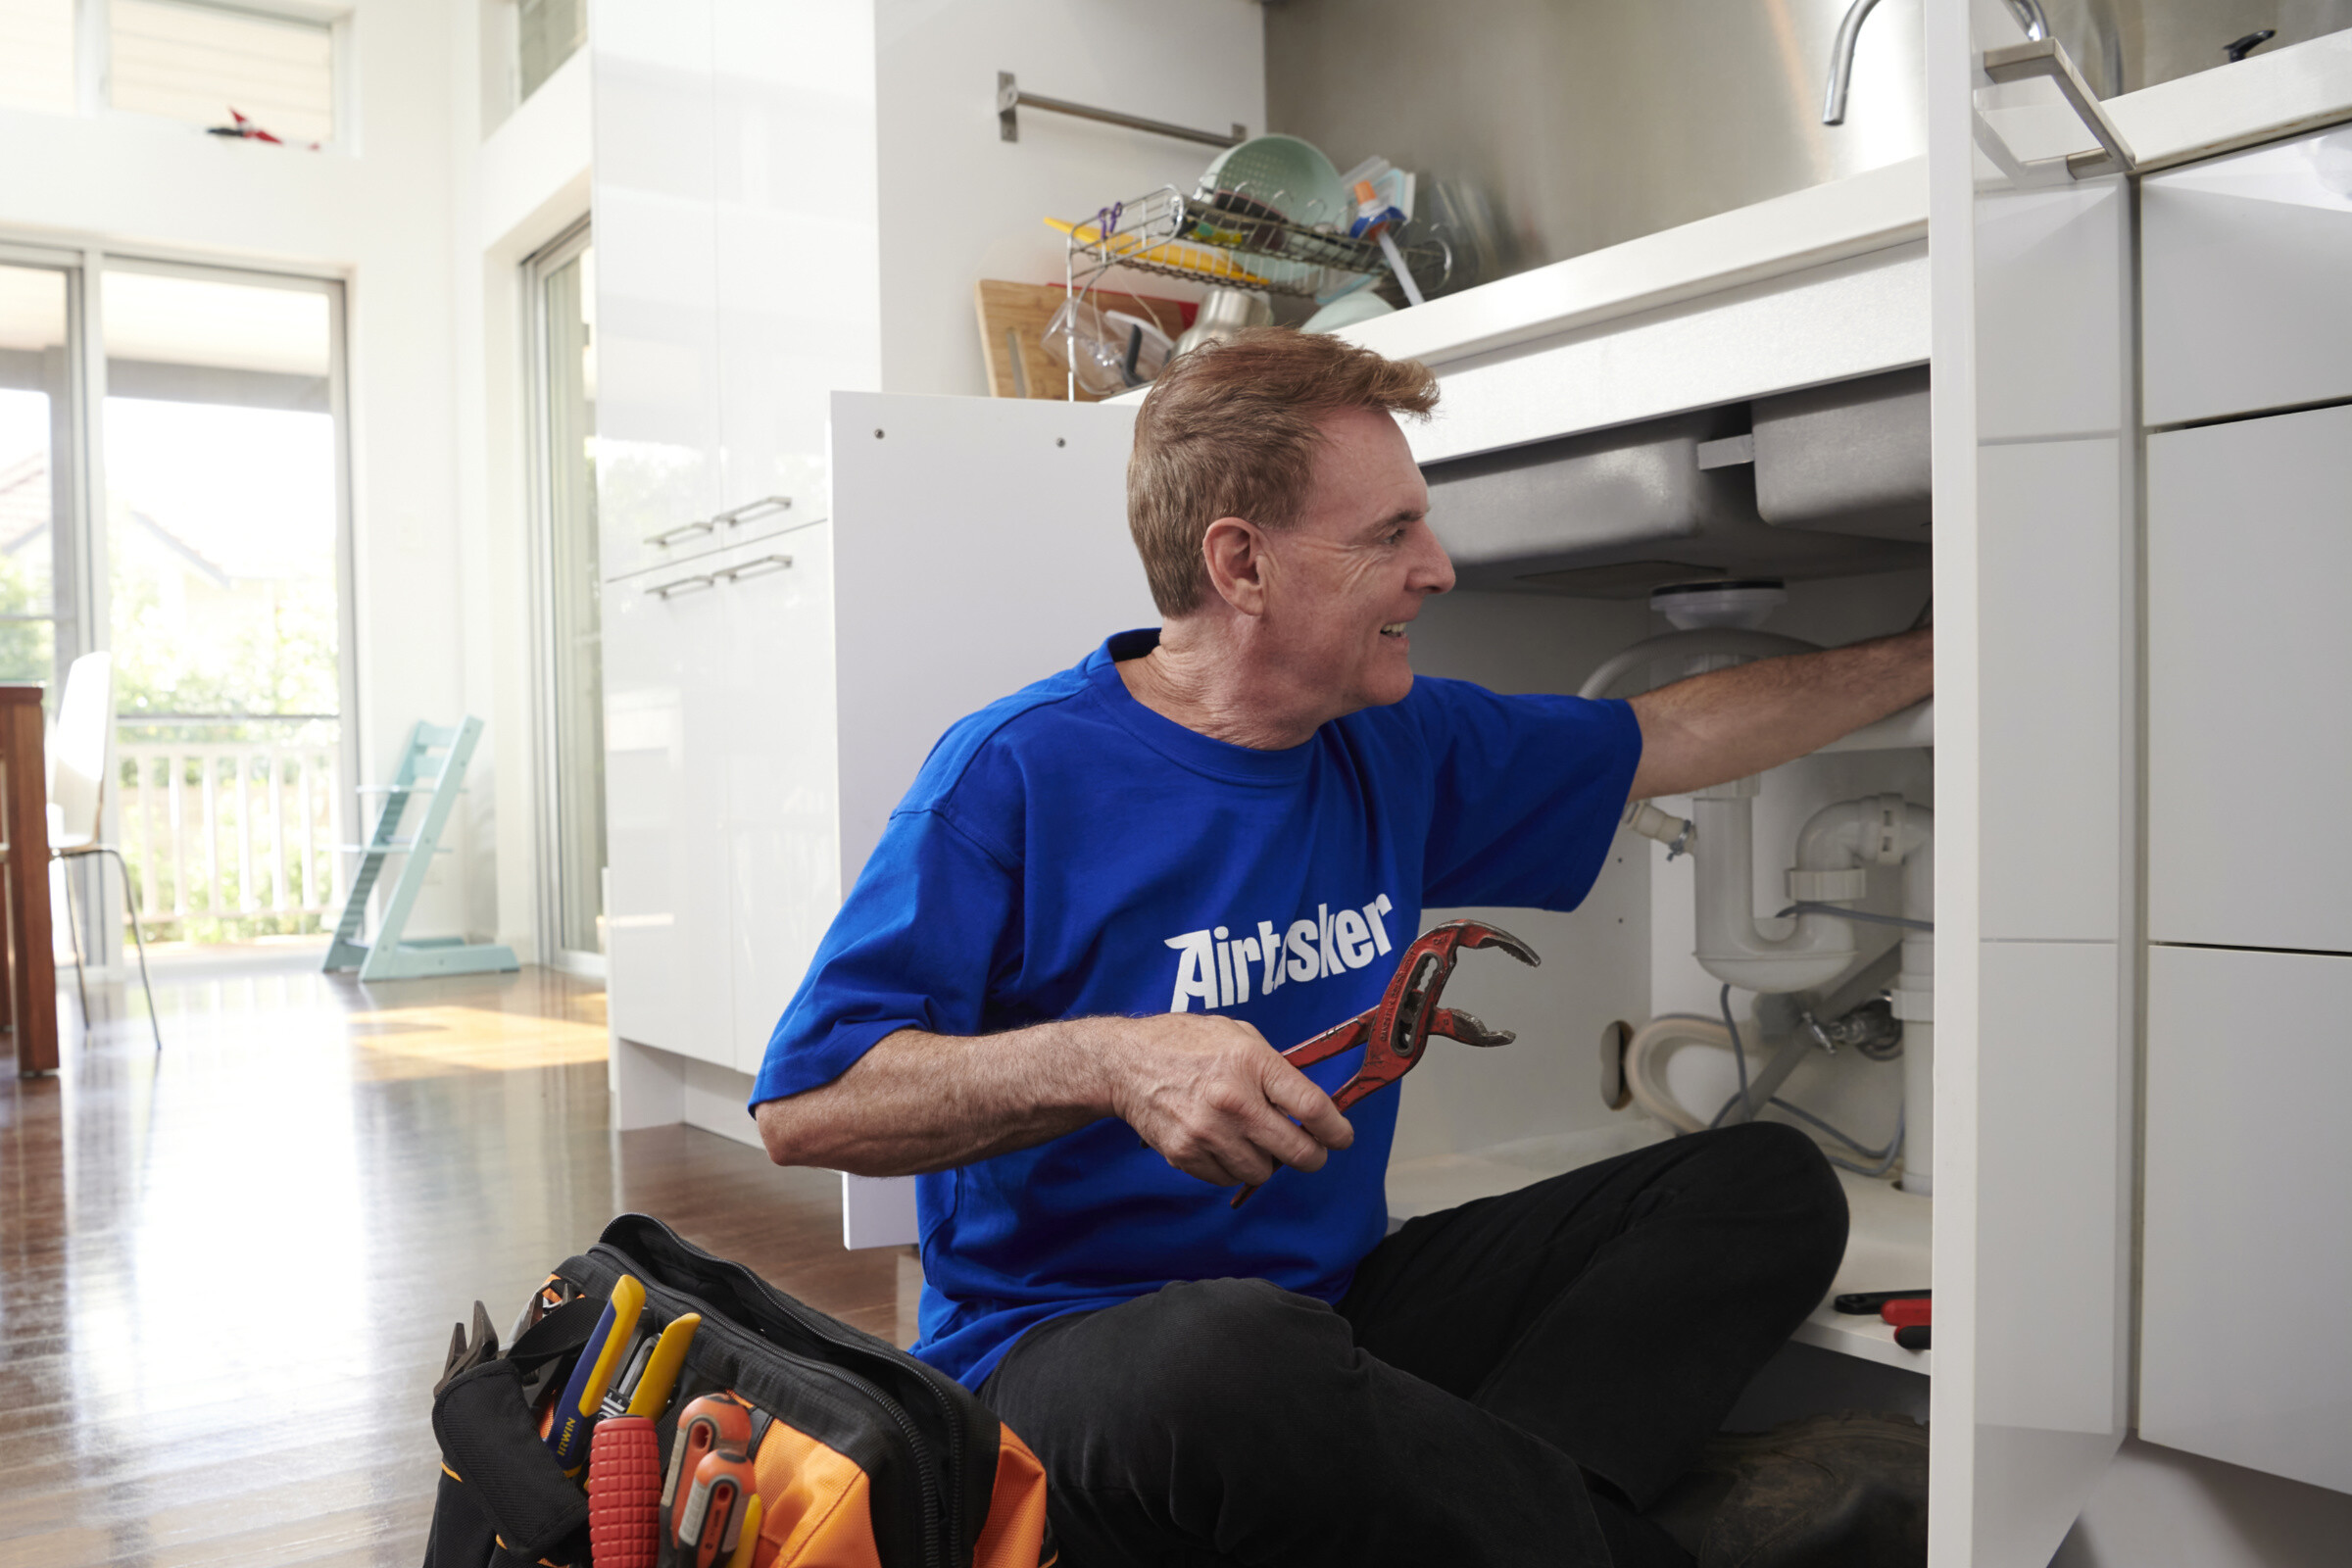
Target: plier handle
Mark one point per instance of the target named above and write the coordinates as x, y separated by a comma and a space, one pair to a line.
1395, 1032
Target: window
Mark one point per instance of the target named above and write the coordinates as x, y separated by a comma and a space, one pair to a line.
36, 54
202, 63
37, 465
548, 32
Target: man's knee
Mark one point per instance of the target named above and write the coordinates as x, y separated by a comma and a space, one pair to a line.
1213, 1356
1781, 1181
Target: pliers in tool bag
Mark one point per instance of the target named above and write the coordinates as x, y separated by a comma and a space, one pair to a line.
1396, 1030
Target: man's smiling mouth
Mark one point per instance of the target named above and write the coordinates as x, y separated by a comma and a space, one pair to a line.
1395, 628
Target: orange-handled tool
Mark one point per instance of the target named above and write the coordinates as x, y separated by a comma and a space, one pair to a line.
711, 1526
706, 1425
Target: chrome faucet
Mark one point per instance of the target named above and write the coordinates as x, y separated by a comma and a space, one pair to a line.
1849, 31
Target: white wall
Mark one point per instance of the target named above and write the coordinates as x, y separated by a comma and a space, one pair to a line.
376, 212
960, 205
512, 193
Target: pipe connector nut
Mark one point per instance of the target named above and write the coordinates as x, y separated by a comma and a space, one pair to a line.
1827, 887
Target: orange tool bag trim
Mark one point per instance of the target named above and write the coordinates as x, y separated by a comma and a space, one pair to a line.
861, 1456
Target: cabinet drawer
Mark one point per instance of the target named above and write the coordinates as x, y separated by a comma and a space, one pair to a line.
2243, 266
2248, 748
2248, 1243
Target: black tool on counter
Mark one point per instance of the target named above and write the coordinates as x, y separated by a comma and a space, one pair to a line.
1918, 1337
1866, 1304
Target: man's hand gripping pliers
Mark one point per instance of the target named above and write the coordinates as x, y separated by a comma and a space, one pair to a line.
1395, 1032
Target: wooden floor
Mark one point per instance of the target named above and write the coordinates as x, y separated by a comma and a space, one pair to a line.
228, 1271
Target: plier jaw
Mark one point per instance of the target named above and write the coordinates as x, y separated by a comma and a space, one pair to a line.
1395, 1032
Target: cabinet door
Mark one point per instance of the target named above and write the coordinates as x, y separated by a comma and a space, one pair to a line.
666, 725
980, 544
783, 804
797, 267
2248, 1245
2244, 302
657, 416
2036, 481
2246, 538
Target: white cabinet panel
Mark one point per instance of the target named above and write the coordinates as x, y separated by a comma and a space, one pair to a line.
2243, 296
2051, 559
796, 270
783, 807
2248, 1245
657, 349
2248, 748
665, 730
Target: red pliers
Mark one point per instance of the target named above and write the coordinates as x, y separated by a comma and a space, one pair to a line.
1394, 1032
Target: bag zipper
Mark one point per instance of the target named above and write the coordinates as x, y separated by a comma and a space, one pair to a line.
936, 1499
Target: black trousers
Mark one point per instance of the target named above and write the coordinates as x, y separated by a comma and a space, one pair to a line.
1508, 1382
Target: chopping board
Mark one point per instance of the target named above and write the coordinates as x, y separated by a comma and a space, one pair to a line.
1012, 321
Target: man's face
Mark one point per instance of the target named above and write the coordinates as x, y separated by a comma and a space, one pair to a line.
1352, 572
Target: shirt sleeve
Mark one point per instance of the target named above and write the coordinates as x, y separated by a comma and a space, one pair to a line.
1528, 794
912, 947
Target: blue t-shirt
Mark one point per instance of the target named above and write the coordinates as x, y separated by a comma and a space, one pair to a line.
1067, 852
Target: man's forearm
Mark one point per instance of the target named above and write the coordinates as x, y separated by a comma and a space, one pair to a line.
1729, 723
919, 1102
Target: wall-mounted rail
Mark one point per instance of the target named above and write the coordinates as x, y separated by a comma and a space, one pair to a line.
1011, 100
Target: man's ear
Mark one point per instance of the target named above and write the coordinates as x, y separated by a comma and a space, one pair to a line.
1234, 552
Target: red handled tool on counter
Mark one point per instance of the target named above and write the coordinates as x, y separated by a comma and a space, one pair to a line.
1397, 1031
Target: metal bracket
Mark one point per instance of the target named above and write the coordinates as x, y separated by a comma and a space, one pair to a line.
2046, 57
1011, 100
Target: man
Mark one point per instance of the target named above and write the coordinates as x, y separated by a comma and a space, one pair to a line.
1059, 989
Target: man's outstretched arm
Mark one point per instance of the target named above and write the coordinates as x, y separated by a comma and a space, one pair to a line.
1206, 1092
1729, 724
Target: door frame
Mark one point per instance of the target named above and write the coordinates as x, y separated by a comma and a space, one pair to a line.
533, 272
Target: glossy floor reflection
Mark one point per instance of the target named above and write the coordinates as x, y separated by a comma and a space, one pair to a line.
227, 1273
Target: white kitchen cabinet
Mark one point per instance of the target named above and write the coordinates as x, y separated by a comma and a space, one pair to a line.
2246, 538
2244, 300
783, 854
2248, 1241
657, 247
668, 729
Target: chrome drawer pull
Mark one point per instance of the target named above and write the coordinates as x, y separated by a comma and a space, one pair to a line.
754, 509
683, 585
758, 567
684, 531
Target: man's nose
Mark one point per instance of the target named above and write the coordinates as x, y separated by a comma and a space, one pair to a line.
1434, 571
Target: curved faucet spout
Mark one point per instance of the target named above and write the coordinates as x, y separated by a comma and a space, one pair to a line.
2029, 13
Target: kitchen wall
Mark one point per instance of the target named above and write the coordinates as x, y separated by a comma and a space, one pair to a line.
959, 203
376, 211
1573, 125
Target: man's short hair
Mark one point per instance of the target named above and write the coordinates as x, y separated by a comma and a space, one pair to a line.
1230, 431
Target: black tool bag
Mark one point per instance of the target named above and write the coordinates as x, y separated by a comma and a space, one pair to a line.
865, 1458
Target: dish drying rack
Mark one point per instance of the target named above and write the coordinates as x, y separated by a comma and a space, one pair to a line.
1234, 239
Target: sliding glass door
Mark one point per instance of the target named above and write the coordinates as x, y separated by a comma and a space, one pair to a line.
561, 281
40, 465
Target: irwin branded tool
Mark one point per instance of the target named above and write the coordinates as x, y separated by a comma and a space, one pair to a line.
574, 1419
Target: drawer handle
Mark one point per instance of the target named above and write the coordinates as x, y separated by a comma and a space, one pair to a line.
758, 567
754, 509
684, 531
683, 585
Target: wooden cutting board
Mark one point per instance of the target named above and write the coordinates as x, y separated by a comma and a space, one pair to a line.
1012, 321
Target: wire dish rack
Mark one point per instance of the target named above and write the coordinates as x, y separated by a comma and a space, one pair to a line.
1236, 239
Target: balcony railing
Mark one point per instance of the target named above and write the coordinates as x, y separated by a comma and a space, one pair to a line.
232, 838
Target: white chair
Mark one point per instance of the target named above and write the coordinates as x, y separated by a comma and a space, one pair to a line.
78, 757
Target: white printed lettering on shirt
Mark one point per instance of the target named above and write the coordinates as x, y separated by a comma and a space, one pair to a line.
1193, 975
1352, 939
1380, 927
1330, 954
1269, 946
1244, 953
1301, 943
